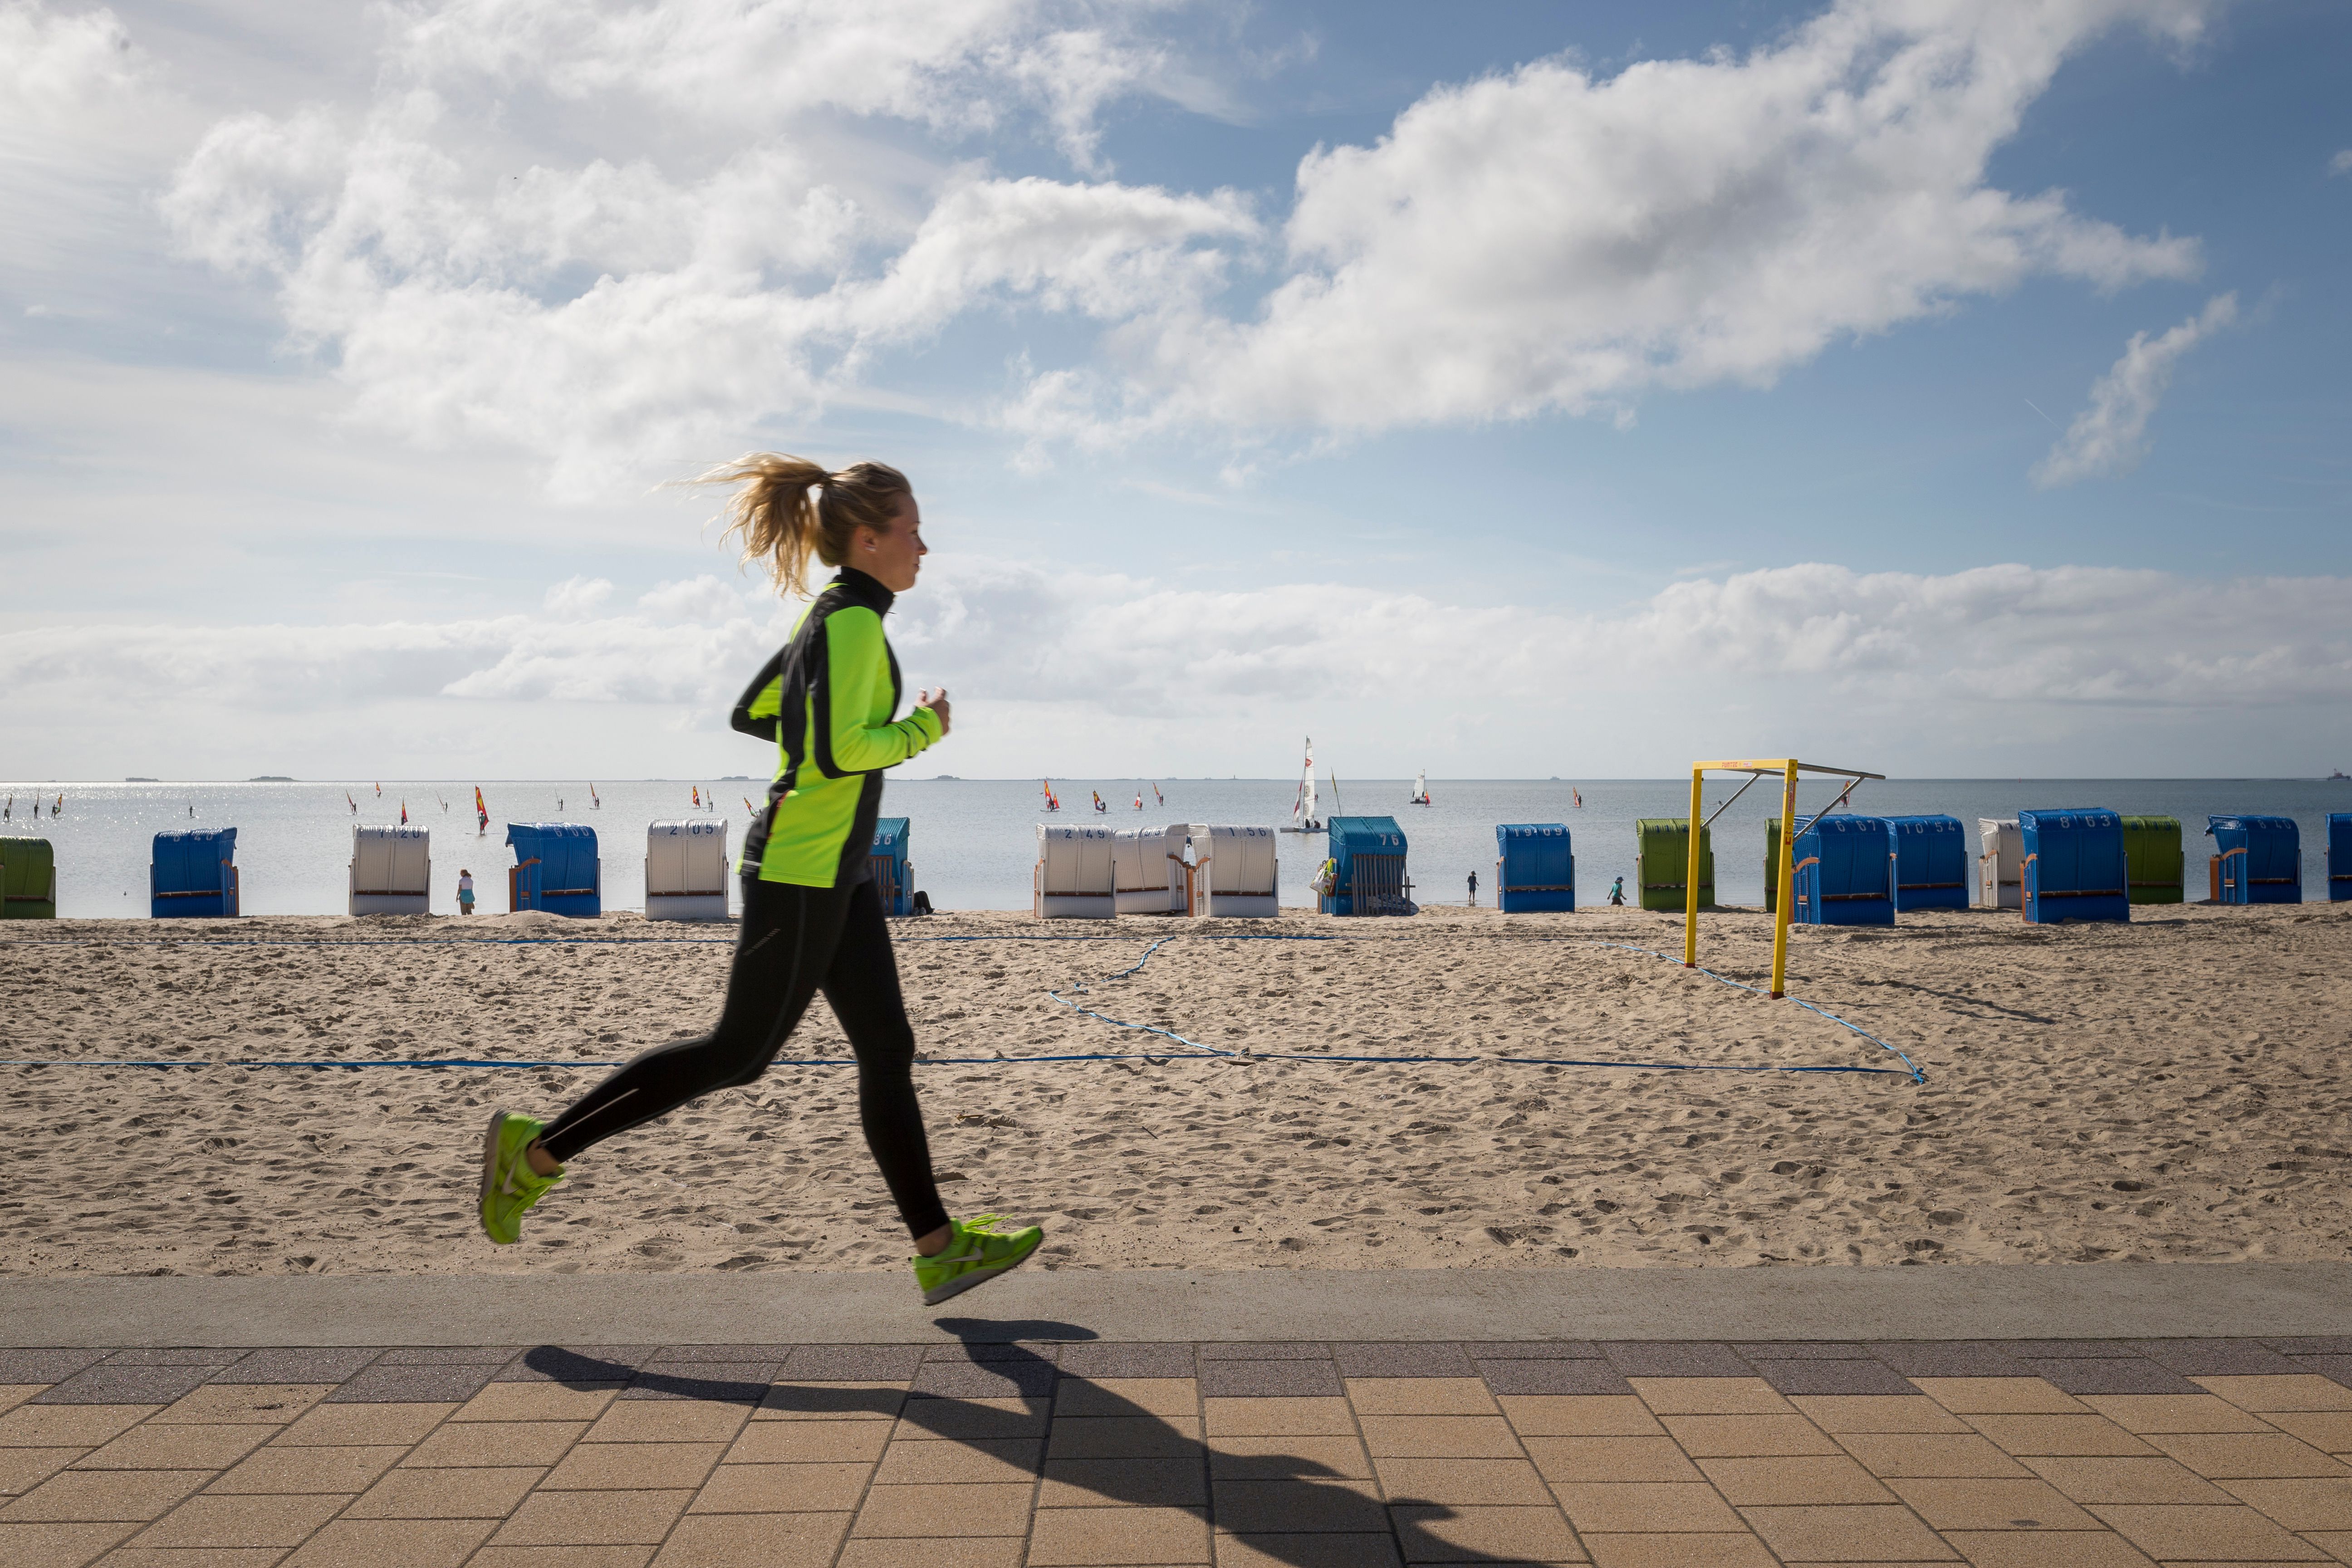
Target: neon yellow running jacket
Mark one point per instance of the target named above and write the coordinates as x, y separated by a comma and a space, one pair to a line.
827, 701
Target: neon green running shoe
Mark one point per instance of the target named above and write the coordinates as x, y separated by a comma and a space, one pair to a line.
509, 1185
975, 1254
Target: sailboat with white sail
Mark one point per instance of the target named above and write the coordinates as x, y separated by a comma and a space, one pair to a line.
1302, 809
1420, 788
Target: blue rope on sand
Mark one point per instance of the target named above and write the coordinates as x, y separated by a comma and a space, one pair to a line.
1192, 1047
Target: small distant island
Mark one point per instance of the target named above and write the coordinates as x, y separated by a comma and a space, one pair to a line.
945, 778
269, 778
134, 778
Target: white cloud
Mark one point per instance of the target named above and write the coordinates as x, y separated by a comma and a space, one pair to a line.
608, 232
2110, 437
2341, 163
577, 598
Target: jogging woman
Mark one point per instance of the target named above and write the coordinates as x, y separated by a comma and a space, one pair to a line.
812, 920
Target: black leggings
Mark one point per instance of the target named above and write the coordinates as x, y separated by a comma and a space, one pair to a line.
795, 942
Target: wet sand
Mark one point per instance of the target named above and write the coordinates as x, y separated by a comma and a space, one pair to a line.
2171, 1091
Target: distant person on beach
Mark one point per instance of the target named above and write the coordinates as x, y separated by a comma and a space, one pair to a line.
1617, 891
1473, 889
812, 919
465, 891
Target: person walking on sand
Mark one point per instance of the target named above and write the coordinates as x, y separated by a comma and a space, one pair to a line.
1617, 891
812, 920
465, 891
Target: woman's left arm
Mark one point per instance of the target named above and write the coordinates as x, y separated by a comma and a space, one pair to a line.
857, 664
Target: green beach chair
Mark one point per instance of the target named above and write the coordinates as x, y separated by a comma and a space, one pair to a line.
1662, 863
28, 879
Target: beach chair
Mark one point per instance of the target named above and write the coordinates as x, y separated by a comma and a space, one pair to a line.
392, 870
28, 879
2001, 869
887, 866
2073, 866
1931, 862
1240, 876
193, 875
1844, 872
1147, 870
1072, 879
686, 869
2339, 855
2153, 856
2259, 859
1662, 863
1368, 868
556, 870
1535, 869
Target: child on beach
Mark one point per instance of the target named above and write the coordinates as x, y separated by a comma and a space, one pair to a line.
812, 919
1617, 891
465, 891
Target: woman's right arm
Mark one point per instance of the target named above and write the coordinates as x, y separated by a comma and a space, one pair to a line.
756, 710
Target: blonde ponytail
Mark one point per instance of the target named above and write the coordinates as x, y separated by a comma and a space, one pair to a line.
788, 508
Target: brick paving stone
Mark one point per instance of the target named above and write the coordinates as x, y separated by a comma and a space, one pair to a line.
479, 1493
2175, 1413
44, 1366
209, 1520
194, 1557
1832, 1376
364, 1424
1955, 1503
1794, 1479
1957, 1358
57, 1545
168, 1448
851, 1363
851, 1401
2112, 1375
1235, 1458
1402, 1361
2177, 1533
22, 1470
1553, 1377
1124, 1438
753, 1541
2305, 1505
995, 1350
2329, 1429
1278, 1417
1803, 1350
783, 1489
633, 1467
391, 1382
494, 1443
541, 1401
448, 1355
2032, 1549
727, 1354
1532, 1350
1000, 1509
1838, 1533
2216, 1357
714, 1382
2264, 1394
2309, 1344
1260, 1507
2334, 1368
593, 1518
301, 1471
984, 1380
2046, 1349
2336, 1543
669, 1421
1440, 1437
933, 1553
561, 1557
1002, 1459
1421, 1396
322, 1366
1748, 1436
2252, 1455
2126, 1480
1904, 1412
401, 1544
12, 1395
1269, 1379
1579, 1415
1429, 1534
1628, 1506
1127, 1396
962, 1420
1493, 1481
1101, 1360
1679, 1552
1999, 1396
1564, 1459
1747, 1396
1637, 1358
107, 1384
2084, 1434
808, 1442
1930, 1454
1129, 1483
1118, 1535
1288, 1550
1272, 1350
95, 1496
586, 1363
175, 1356
64, 1425
261, 1404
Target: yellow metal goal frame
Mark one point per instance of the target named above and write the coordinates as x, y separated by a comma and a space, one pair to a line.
1787, 768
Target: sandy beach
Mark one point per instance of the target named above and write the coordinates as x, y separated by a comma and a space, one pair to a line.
2171, 1091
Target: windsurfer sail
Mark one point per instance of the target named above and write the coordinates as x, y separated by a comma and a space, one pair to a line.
1302, 808
403, 813
1420, 788
1052, 802
1157, 797
1098, 800
1579, 794
355, 804
481, 812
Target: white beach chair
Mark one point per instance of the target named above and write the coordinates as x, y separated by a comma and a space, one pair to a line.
686, 869
1243, 877
1072, 878
2001, 869
391, 871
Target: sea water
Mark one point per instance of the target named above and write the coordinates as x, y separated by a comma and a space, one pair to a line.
974, 840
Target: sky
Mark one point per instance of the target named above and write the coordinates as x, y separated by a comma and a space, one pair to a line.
1940, 387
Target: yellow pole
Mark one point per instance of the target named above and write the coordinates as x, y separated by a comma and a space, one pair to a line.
1788, 880
1690, 879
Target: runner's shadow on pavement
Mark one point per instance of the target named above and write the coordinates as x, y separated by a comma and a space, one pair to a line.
1094, 1446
